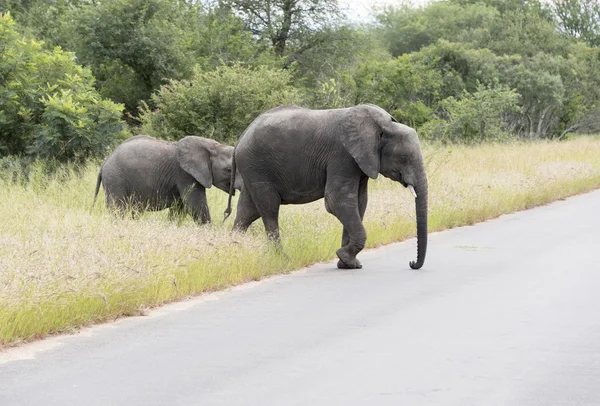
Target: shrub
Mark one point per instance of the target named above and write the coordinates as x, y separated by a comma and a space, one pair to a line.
218, 104
475, 117
48, 105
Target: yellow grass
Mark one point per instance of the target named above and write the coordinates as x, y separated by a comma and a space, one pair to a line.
63, 266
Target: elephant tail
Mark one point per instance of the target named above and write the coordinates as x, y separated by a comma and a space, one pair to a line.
231, 188
98, 182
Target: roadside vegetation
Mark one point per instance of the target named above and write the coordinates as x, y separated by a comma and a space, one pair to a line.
63, 266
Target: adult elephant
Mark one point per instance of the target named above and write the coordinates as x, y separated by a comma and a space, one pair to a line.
293, 155
146, 173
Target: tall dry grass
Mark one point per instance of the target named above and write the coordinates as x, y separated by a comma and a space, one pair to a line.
63, 266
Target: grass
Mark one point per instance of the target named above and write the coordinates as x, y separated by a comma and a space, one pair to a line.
63, 266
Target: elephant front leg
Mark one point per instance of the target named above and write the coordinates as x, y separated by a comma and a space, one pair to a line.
363, 198
342, 202
196, 205
356, 236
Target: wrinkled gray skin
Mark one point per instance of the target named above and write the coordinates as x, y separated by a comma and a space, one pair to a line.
292, 155
145, 173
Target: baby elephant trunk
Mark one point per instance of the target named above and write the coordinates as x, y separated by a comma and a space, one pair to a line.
227, 212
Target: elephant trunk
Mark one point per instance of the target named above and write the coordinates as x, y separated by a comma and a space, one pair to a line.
421, 208
231, 188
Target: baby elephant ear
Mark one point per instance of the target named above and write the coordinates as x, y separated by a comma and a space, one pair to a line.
193, 155
360, 134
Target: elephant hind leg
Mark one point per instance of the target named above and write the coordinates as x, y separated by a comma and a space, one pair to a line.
246, 212
267, 202
121, 202
116, 205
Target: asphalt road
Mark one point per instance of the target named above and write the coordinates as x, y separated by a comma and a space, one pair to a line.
503, 313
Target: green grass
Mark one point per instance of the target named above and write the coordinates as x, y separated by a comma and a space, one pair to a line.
63, 266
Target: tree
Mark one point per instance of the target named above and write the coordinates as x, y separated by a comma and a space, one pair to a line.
406, 29
42, 19
579, 18
511, 27
282, 22
133, 46
506, 6
222, 39
335, 54
581, 76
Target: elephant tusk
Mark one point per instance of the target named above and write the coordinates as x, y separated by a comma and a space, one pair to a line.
412, 190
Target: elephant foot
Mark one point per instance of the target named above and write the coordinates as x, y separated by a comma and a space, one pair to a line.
355, 265
346, 261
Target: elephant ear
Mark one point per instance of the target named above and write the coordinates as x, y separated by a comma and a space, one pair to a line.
361, 133
193, 155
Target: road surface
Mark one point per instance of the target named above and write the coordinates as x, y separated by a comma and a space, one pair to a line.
505, 312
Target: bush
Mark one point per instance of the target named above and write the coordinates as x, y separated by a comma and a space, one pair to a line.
48, 105
475, 117
218, 104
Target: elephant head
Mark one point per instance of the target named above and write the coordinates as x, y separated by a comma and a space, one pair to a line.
208, 161
379, 144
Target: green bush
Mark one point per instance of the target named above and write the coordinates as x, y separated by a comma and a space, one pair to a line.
217, 104
48, 105
475, 117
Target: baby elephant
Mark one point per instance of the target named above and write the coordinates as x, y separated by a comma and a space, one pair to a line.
145, 173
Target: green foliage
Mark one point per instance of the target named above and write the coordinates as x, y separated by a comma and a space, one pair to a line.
75, 126
475, 117
554, 90
415, 61
332, 53
222, 39
48, 105
285, 22
136, 46
41, 19
411, 86
144, 40
405, 29
579, 18
217, 104
334, 93
400, 86
525, 33
329, 70
505, 27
